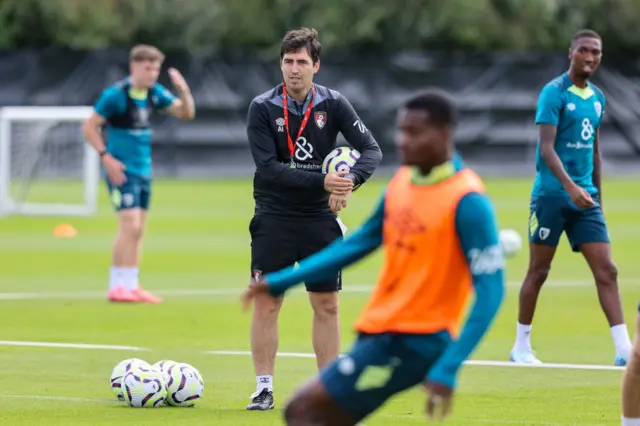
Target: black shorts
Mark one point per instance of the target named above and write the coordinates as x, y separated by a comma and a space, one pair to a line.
277, 243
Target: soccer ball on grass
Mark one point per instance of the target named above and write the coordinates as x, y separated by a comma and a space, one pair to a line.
122, 368
144, 387
184, 385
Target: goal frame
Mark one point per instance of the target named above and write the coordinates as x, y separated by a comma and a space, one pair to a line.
90, 163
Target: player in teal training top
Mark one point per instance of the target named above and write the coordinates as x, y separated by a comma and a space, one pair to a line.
567, 193
124, 110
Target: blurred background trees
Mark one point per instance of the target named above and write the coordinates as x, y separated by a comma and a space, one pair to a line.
354, 25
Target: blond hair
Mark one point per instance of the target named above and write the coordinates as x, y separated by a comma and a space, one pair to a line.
145, 52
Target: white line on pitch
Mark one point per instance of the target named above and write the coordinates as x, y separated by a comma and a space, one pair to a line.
56, 398
381, 415
471, 362
86, 294
70, 345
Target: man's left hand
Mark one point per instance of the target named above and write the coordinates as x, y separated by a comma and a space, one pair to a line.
178, 80
338, 202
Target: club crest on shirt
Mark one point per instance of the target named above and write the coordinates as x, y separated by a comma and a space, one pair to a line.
598, 107
142, 116
257, 274
320, 119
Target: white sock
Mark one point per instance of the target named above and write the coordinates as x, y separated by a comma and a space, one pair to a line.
115, 277
523, 336
621, 339
631, 422
264, 382
130, 278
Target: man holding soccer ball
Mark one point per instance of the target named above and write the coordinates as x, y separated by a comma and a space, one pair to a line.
291, 130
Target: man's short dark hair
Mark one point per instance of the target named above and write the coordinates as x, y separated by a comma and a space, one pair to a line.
303, 38
585, 34
438, 104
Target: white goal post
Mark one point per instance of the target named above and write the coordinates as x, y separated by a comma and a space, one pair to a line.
46, 166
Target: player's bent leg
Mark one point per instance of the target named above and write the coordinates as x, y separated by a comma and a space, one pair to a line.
326, 325
264, 347
127, 201
312, 405
272, 248
323, 294
605, 274
588, 234
546, 225
631, 384
140, 293
540, 258
356, 385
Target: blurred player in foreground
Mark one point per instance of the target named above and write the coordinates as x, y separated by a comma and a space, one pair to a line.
440, 240
631, 383
126, 108
567, 194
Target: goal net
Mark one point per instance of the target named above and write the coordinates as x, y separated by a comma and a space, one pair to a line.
46, 167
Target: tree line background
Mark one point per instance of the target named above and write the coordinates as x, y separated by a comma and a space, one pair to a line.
344, 25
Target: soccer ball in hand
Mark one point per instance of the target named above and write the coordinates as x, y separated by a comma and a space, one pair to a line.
184, 385
510, 242
144, 387
118, 373
340, 160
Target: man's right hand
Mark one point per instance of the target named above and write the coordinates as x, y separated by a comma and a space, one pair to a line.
337, 184
256, 287
580, 197
439, 401
115, 170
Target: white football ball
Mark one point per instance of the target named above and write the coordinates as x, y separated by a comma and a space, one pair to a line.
144, 387
510, 242
184, 385
340, 160
118, 373
164, 365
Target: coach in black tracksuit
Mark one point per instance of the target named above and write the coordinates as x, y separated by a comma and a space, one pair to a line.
291, 129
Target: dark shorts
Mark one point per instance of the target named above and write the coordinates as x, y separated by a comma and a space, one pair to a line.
135, 193
551, 216
277, 243
377, 367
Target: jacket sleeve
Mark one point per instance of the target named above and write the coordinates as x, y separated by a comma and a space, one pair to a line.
358, 136
263, 150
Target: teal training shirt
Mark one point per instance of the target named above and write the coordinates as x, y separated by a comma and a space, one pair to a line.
577, 113
130, 141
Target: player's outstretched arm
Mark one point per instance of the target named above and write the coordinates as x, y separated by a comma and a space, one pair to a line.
335, 257
263, 151
478, 233
358, 136
182, 107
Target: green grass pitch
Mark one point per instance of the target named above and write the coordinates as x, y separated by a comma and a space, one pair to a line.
196, 255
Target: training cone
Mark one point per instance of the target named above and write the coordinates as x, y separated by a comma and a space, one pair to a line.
64, 231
